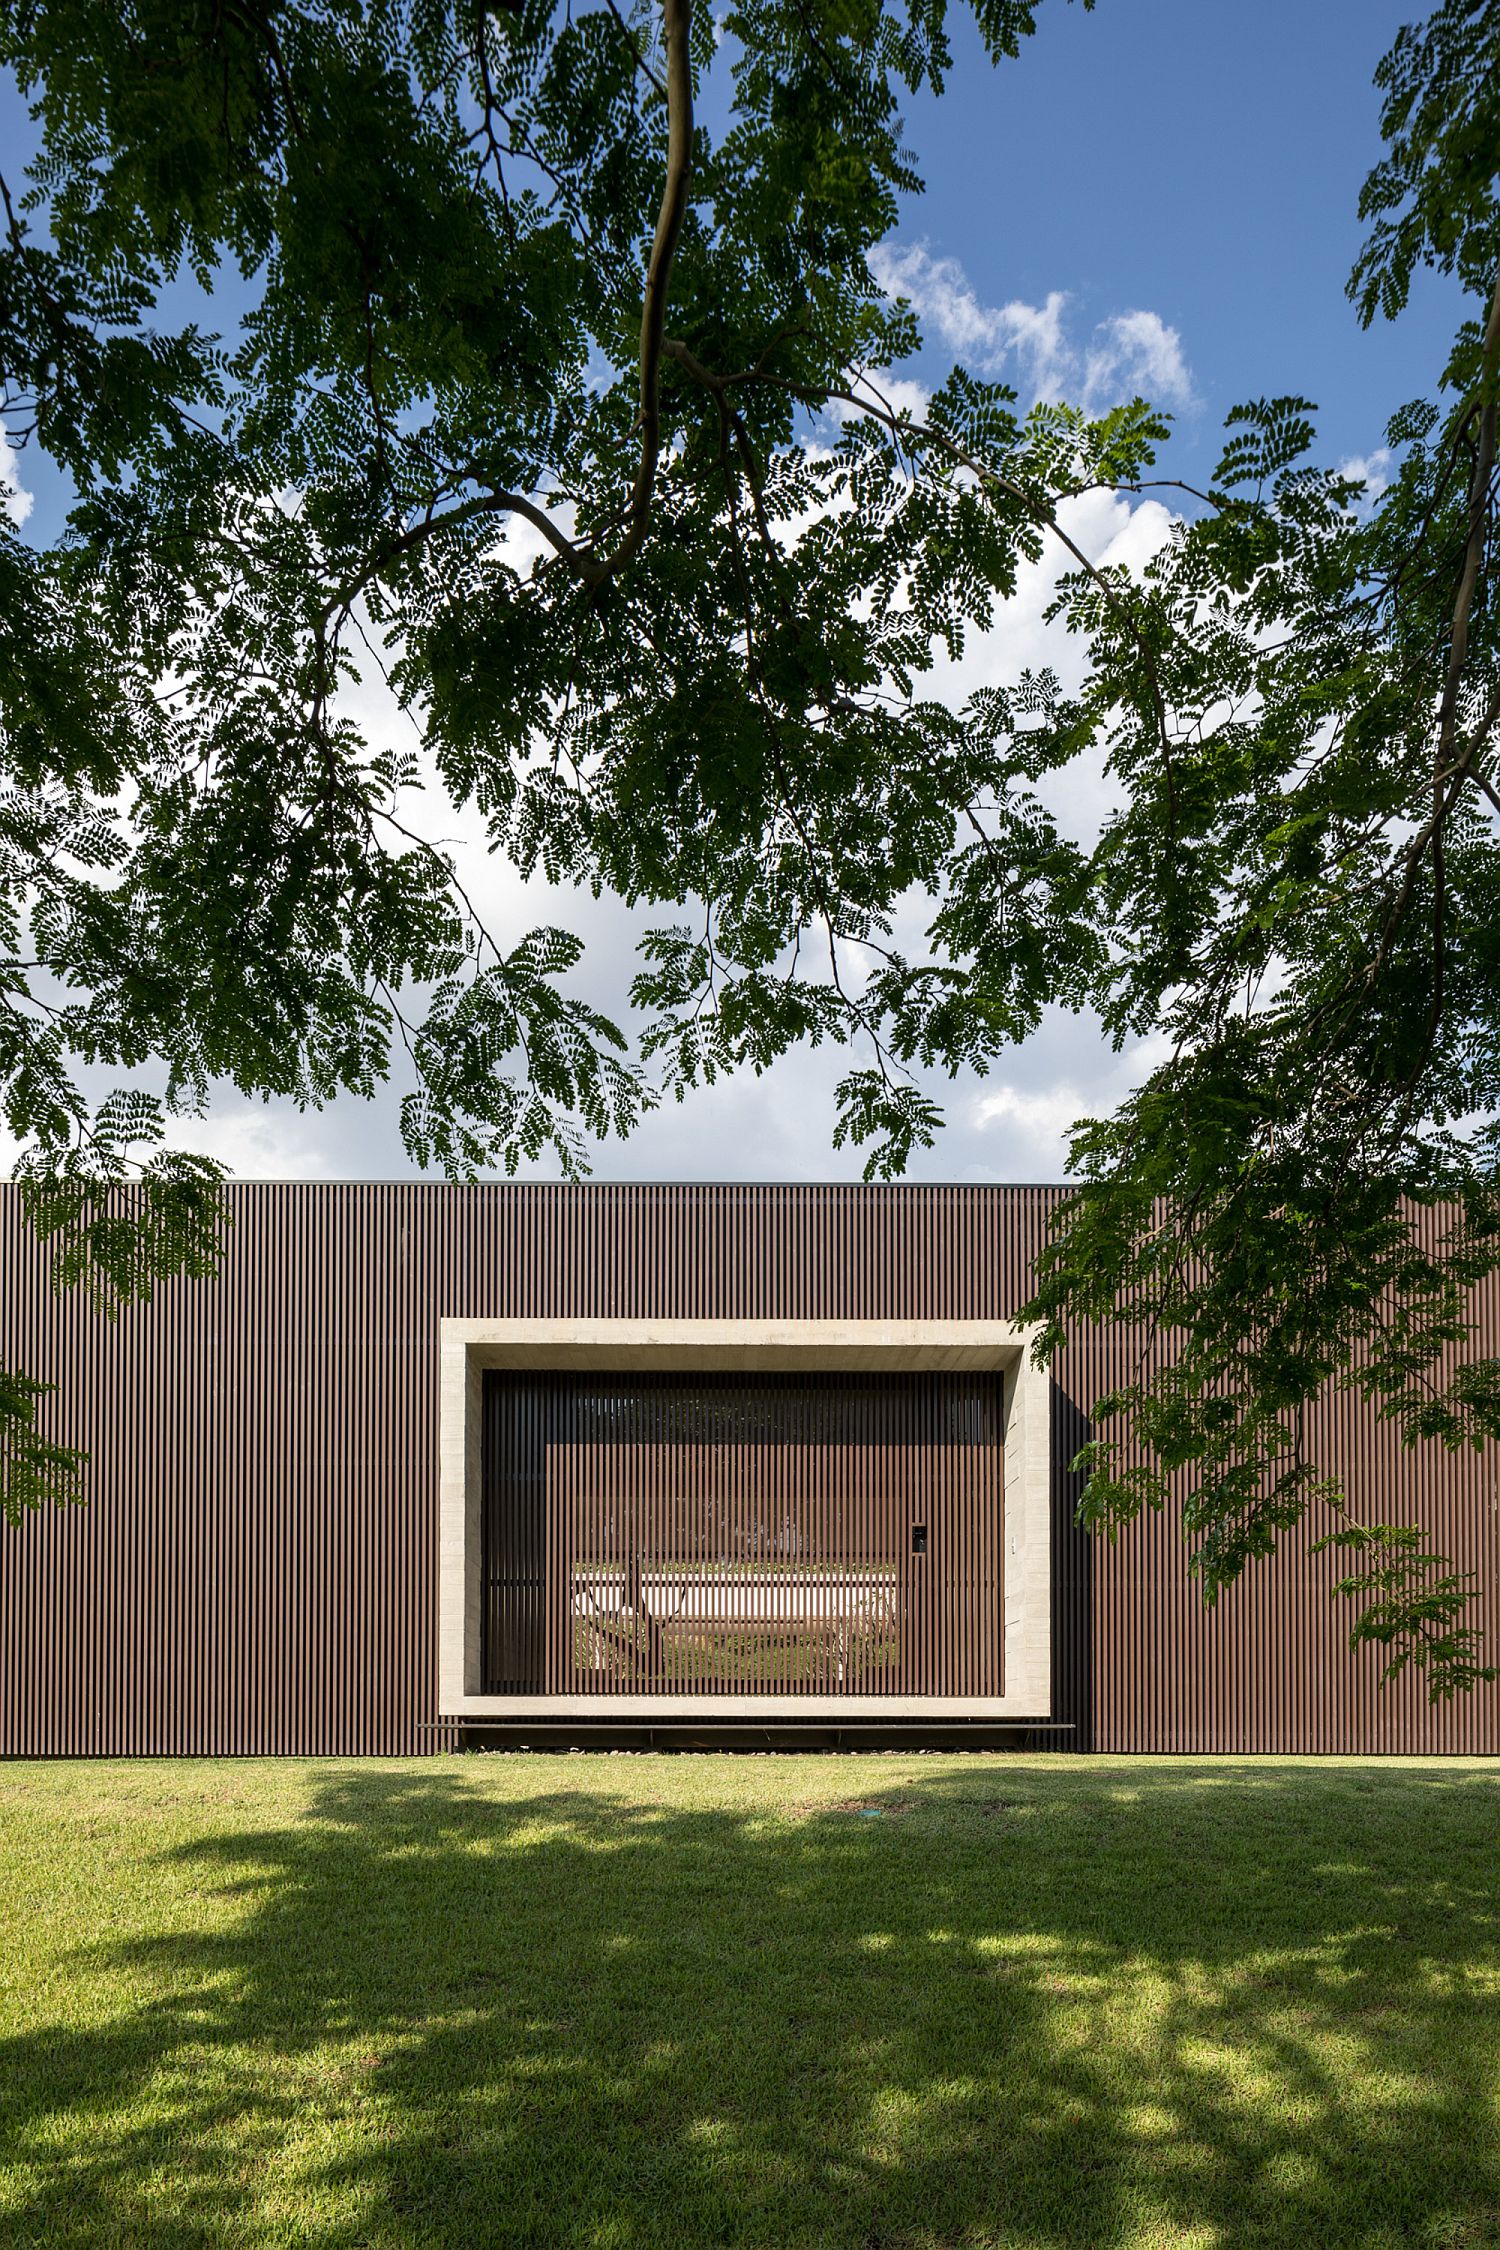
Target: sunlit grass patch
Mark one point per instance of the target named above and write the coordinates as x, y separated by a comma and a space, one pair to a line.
885, 2003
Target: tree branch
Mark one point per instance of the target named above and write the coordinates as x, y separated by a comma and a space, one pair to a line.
676, 23
594, 570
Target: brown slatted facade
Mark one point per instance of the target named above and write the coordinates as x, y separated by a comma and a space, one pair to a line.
256, 1570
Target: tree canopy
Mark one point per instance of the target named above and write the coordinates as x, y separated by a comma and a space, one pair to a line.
602, 273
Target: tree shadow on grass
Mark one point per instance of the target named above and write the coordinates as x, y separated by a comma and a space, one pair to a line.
1004, 2004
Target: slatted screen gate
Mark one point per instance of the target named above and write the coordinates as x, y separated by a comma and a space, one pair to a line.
819, 1534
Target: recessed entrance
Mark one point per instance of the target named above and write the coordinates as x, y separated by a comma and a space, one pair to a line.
826, 1533
638, 1568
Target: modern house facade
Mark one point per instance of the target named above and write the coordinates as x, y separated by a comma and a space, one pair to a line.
427, 1464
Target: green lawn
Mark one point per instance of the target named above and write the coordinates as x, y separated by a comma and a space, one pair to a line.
658, 2001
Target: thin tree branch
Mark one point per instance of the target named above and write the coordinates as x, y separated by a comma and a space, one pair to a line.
634, 45
1479, 499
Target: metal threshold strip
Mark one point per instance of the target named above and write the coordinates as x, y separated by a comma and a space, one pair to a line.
570, 1722
608, 1734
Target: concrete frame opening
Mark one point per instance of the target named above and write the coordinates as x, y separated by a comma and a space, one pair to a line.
470, 1348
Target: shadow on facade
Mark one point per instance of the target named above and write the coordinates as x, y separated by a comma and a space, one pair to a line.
1072, 1580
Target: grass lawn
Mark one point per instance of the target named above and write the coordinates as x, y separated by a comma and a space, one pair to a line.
642, 2001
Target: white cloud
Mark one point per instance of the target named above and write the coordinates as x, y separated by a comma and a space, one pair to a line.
991, 336
260, 1143
1044, 1117
1136, 353
1128, 352
1033, 1121
897, 392
266, 1141
1373, 470
14, 498
1110, 529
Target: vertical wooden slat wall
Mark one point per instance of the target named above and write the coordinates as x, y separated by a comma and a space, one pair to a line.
256, 1569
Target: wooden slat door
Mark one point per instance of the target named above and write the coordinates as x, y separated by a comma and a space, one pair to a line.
820, 1534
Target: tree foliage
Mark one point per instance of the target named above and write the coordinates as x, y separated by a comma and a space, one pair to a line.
532, 357
1304, 893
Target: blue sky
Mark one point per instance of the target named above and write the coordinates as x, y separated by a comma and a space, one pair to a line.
1198, 159
1160, 193
1194, 159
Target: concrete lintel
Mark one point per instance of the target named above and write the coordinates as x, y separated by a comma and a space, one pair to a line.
697, 1346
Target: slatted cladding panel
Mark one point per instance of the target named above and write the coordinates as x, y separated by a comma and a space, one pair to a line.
256, 1570
730, 1535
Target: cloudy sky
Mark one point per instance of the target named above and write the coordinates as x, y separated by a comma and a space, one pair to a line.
1159, 196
